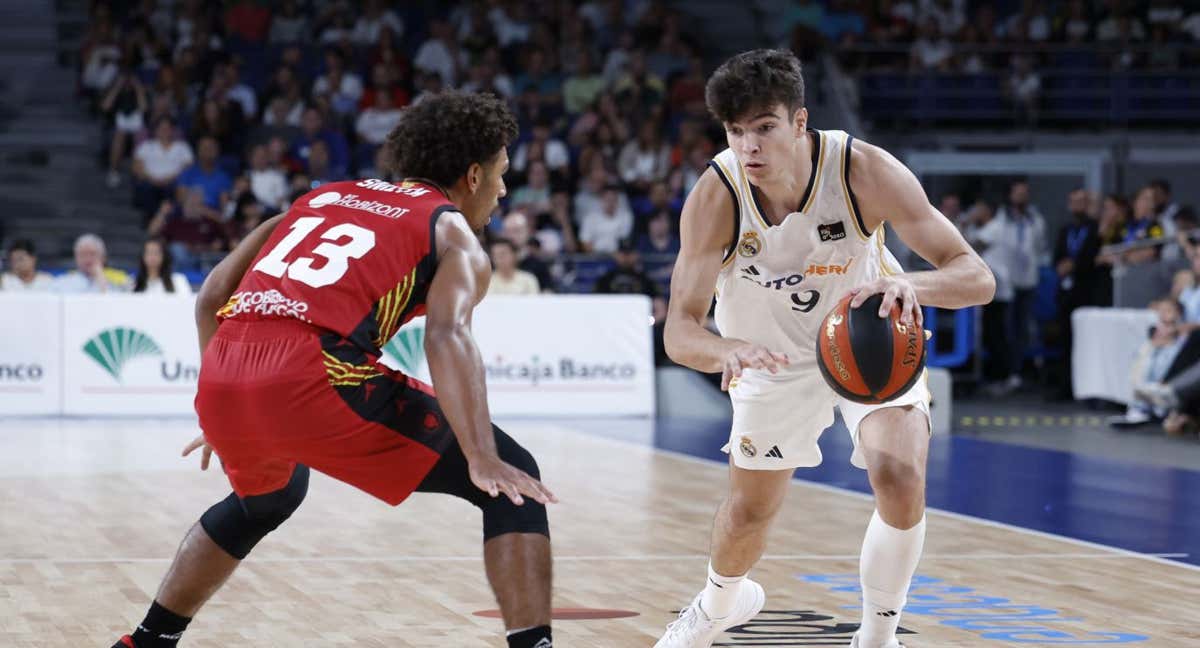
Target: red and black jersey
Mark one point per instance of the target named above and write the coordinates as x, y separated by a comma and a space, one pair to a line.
353, 258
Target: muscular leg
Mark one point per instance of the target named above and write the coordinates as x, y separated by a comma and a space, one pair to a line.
895, 443
516, 548
200, 568
739, 533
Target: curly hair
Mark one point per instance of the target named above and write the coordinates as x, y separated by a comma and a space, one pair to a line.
754, 80
441, 136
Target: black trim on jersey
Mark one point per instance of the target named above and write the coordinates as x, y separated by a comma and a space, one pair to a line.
737, 211
808, 189
862, 227
433, 221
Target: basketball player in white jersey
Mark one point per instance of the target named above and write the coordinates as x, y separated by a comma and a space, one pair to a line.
785, 223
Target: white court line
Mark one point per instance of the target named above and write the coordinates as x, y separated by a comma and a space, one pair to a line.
646, 558
1157, 558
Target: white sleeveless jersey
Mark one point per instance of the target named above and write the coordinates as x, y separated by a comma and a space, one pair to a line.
779, 281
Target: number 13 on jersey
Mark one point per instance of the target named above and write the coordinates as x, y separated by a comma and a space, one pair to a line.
335, 256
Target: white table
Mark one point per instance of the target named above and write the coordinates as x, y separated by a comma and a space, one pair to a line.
1105, 346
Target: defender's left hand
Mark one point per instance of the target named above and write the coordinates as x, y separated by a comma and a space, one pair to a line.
895, 289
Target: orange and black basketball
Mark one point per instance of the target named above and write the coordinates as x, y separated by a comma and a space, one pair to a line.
867, 358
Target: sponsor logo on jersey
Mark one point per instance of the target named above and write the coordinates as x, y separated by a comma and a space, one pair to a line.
750, 273
831, 269
832, 231
271, 303
412, 189
352, 201
750, 245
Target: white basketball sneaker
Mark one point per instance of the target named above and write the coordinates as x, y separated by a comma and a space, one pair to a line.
693, 628
894, 643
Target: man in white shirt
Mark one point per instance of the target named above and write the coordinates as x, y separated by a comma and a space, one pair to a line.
91, 275
603, 229
507, 279
1024, 231
985, 233
157, 163
23, 275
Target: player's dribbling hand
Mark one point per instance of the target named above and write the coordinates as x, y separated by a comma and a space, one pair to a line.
493, 476
205, 456
750, 356
894, 289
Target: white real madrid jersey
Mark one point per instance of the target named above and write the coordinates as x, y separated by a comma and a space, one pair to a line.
779, 281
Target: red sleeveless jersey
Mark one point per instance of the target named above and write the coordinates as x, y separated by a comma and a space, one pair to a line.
354, 258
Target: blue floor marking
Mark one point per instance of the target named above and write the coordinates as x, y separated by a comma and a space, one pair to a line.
1140, 508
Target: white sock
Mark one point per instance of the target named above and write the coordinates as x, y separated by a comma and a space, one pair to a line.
889, 558
720, 594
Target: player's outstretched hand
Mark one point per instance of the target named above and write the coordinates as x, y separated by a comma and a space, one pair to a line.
494, 476
895, 290
750, 356
199, 442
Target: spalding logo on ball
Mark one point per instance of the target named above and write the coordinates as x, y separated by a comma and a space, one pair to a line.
867, 358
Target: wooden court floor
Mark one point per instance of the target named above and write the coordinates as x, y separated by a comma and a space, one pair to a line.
91, 512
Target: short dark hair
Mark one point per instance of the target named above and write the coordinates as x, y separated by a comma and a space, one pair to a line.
506, 243
1162, 185
441, 136
758, 79
23, 244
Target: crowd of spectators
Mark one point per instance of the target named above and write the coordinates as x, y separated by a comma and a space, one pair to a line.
218, 115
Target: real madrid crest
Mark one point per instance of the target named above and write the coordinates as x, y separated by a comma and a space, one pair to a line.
750, 244
748, 448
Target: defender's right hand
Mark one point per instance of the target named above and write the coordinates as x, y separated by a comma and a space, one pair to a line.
750, 356
493, 476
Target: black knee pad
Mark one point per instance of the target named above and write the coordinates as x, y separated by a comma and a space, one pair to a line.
500, 515
237, 524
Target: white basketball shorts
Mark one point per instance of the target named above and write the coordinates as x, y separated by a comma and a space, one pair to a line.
777, 419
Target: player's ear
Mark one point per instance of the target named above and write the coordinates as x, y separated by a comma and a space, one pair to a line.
474, 177
800, 119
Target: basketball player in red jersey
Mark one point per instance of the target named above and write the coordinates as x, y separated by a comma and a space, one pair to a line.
291, 324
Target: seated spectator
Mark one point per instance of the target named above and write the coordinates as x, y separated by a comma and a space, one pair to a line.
659, 199
90, 274
194, 232
157, 164
660, 238
507, 279
23, 274
320, 168
156, 273
627, 278
313, 129
645, 160
931, 50
1170, 351
585, 84
533, 197
289, 24
376, 121
343, 87
439, 54
247, 215
206, 177
517, 228
554, 152
125, 103
213, 120
375, 20
383, 82
268, 183
601, 230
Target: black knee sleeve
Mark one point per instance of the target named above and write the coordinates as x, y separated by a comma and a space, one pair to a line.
500, 515
237, 524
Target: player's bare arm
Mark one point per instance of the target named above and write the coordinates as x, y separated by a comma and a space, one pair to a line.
887, 191
217, 288
705, 234
224, 279
460, 282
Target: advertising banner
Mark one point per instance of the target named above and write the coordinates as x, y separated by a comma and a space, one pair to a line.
129, 354
30, 362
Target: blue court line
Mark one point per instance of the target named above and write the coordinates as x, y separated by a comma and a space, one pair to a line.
1139, 508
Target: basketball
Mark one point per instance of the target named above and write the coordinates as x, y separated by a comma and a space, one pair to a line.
866, 358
